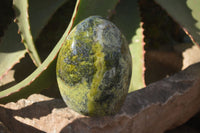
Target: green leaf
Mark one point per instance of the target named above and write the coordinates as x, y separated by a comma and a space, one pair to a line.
186, 13
137, 53
127, 18
40, 11
21, 10
44, 75
11, 49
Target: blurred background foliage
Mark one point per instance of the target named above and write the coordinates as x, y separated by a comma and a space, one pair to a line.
162, 36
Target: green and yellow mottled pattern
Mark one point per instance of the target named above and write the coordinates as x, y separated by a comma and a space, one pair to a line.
94, 68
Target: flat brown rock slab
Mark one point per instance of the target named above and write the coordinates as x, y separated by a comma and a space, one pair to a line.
160, 106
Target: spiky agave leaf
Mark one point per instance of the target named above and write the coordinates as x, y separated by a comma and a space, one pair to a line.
11, 47
185, 13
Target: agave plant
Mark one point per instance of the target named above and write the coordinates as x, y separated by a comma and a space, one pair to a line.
32, 16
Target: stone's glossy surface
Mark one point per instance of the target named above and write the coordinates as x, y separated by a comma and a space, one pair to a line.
94, 68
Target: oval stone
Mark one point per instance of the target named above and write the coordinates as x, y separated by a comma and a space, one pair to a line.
94, 68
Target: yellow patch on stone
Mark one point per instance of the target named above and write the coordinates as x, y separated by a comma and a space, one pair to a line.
97, 78
76, 94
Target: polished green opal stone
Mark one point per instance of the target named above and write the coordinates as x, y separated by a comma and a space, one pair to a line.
94, 68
